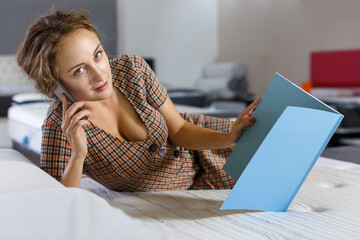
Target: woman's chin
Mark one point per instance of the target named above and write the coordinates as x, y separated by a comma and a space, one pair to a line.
105, 94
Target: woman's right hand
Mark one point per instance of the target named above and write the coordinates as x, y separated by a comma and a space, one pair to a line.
72, 125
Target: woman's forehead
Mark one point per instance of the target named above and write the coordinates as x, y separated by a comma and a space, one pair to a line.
76, 47
78, 38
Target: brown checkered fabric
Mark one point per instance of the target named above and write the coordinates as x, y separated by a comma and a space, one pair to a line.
150, 165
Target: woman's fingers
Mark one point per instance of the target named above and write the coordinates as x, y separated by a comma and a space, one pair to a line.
76, 131
64, 105
79, 117
244, 120
253, 105
70, 112
239, 128
248, 122
249, 109
73, 120
75, 107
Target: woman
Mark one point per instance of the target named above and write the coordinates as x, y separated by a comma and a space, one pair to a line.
124, 131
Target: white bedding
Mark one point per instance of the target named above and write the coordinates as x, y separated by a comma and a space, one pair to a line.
66, 213
326, 207
18, 174
35, 206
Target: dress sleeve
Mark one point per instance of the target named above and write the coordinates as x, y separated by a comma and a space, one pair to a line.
156, 93
55, 150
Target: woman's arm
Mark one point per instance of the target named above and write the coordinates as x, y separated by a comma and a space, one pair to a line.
181, 132
72, 126
73, 171
188, 135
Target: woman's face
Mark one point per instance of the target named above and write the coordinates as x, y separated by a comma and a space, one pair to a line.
83, 66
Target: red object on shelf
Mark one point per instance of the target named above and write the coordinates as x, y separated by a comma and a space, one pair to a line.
335, 69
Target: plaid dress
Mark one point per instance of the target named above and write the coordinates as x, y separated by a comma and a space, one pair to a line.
150, 165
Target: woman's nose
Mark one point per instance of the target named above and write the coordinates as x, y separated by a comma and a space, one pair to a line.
97, 75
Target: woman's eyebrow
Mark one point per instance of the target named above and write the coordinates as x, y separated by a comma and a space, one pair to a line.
77, 65
97, 47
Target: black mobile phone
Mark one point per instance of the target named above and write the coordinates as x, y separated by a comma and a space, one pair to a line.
60, 90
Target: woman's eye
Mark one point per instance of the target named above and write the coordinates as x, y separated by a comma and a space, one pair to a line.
98, 55
79, 71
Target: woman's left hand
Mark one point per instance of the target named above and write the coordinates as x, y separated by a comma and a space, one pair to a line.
243, 121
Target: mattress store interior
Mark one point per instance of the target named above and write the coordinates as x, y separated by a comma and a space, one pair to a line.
295, 169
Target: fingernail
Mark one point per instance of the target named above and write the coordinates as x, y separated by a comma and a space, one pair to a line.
252, 120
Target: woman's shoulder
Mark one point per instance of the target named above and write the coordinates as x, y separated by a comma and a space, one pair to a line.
54, 114
128, 69
127, 61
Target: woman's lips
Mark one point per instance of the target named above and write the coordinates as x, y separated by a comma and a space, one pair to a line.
102, 87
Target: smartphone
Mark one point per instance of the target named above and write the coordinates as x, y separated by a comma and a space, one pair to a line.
60, 90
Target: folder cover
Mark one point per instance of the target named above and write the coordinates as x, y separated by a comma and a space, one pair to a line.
274, 156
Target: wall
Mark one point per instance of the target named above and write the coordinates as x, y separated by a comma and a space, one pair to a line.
278, 35
17, 15
181, 35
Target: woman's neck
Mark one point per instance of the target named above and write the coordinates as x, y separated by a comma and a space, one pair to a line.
106, 103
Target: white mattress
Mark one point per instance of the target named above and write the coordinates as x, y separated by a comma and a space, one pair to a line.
198, 110
33, 205
24, 124
326, 207
67, 213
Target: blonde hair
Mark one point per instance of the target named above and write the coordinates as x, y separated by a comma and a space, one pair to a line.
36, 54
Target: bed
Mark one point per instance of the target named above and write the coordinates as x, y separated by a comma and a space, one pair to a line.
35, 206
326, 206
25, 118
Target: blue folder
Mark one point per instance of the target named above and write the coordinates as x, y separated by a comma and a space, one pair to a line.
274, 156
